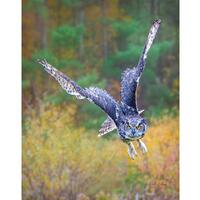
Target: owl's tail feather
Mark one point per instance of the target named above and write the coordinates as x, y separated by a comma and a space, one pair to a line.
107, 126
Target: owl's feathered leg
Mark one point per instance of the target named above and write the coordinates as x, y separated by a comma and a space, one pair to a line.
142, 146
131, 151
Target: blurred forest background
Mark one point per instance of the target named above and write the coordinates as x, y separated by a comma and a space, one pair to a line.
93, 41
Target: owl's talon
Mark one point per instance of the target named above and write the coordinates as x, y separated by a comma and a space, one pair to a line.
131, 151
142, 146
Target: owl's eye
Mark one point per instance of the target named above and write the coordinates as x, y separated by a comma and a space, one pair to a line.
128, 126
139, 127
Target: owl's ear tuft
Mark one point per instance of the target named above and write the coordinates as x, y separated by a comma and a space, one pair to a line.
140, 112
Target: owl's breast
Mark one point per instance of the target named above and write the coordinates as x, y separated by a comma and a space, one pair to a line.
125, 137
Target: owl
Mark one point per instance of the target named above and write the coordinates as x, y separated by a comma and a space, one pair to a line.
122, 115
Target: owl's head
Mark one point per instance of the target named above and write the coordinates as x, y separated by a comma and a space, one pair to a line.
134, 127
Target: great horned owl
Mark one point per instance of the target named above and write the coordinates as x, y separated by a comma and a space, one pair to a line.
124, 115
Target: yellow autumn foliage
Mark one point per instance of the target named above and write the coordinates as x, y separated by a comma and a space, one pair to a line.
62, 160
162, 161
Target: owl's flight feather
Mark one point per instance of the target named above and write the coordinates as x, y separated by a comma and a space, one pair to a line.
130, 77
95, 95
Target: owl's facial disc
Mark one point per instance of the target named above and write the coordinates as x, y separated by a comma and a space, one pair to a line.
135, 129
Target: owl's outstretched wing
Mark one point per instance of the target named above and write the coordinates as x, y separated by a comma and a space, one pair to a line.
95, 95
130, 77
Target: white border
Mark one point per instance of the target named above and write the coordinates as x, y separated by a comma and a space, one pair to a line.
10, 100
190, 99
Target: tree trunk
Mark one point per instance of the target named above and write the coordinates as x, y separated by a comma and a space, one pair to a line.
104, 29
42, 30
152, 7
80, 21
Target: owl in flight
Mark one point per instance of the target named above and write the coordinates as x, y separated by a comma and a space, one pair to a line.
124, 115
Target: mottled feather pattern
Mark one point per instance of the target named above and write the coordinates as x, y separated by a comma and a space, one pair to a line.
95, 95
128, 87
107, 126
130, 77
151, 36
103, 99
66, 83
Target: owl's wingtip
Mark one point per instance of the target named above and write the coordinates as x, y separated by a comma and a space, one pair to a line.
157, 21
42, 61
47, 67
